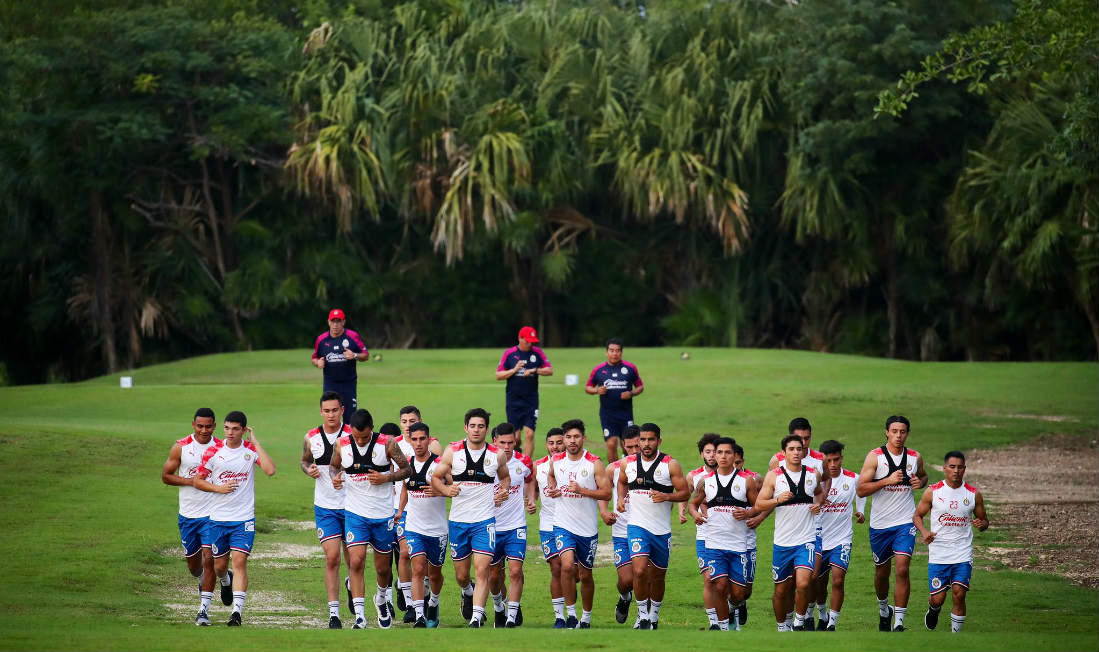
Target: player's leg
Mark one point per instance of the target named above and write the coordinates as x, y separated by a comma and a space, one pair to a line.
881, 548
660, 551
938, 581
241, 538
778, 600
332, 548
496, 588
418, 571
557, 594
818, 589
356, 565
516, 580
624, 570
957, 614
803, 578
528, 439
721, 585
404, 573
435, 581
587, 594
481, 564
383, 572
901, 590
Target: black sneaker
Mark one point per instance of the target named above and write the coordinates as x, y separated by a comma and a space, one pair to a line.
810, 623
883, 621
227, 591
234, 619
622, 610
559, 623
644, 624
830, 628
714, 628
475, 624
202, 619
500, 619
584, 625
571, 622
655, 624
360, 623
385, 615
432, 615
822, 625
420, 623
334, 623
931, 619
898, 628
350, 600
799, 628
467, 605
742, 614
402, 604
410, 615
510, 625
519, 616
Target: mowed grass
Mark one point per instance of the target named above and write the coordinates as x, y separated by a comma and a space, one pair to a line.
91, 549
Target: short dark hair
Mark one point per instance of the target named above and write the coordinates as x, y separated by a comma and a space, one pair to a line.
830, 447
418, 426
738, 449
896, 418
331, 396
504, 428
789, 438
236, 416
725, 441
362, 420
477, 412
204, 412
631, 431
651, 427
390, 429
573, 424
613, 340
709, 438
799, 423
410, 409
554, 432
958, 454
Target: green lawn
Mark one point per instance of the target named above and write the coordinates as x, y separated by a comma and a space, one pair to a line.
91, 558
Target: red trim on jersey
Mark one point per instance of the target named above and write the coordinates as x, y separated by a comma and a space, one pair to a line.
745, 473
938, 485
878, 451
666, 459
559, 456
456, 445
630, 459
777, 471
969, 487
317, 344
817, 455
202, 471
590, 457
345, 440
186, 440
912, 453
526, 461
700, 469
849, 474
382, 439
250, 446
542, 460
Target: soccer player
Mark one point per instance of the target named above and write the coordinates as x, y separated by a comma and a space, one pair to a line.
363, 462
179, 470
335, 354
520, 366
555, 443
890, 474
956, 508
410, 414
619, 521
477, 469
328, 515
752, 518
726, 550
653, 481
578, 480
511, 529
836, 530
425, 526
694, 478
616, 382
228, 471
794, 492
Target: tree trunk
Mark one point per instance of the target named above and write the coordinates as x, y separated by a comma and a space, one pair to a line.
104, 298
892, 309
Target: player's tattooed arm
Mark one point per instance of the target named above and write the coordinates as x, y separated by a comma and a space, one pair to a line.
922, 509
168, 475
308, 465
980, 518
336, 466
503, 479
397, 456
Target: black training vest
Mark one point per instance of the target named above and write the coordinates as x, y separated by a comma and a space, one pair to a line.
800, 497
326, 457
645, 479
364, 463
475, 471
418, 480
724, 496
894, 467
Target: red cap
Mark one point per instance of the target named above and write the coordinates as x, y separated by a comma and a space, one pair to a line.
529, 334
335, 313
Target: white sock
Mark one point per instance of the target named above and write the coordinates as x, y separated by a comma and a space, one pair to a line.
558, 608
789, 620
585, 616
570, 609
334, 608
467, 589
956, 623
833, 617
811, 610
418, 605
238, 601
513, 611
783, 627
498, 603
723, 625
204, 599
478, 614
406, 589
883, 607
433, 601
711, 615
898, 616
654, 610
799, 619
382, 595
643, 609
389, 594
224, 580
358, 605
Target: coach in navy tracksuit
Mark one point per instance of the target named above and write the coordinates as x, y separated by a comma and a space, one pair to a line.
616, 382
521, 365
335, 353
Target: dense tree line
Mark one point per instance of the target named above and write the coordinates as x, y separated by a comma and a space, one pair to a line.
187, 177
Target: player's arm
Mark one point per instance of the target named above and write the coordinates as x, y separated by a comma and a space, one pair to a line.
623, 490
530, 492
922, 509
439, 477
362, 355
204, 470
867, 484
396, 455
503, 477
695, 503
773, 464
168, 474
547, 367
860, 508
435, 447
766, 500
681, 508
751, 492
335, 464
980, 518
318, 359
602, 489
502, 372
308, 464
920, 481
819, 494
552, 490
262, 458
591, 387
680, 491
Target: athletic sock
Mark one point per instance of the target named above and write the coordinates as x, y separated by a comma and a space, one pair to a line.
358, 605
799, 619
389, 594
833, 617
654, 610
782, 627
898, 616
406, 589
789, 620
204, 599
558, 608
956, 623
224, 579
811, 610
643, 609
883, 607
467, 589
334, 609
723, 625
498, 603
627, 596
418, 605
433, 601
381, 596
585, 616
478, 614
570, 609
513, 611
238, 601
711, 615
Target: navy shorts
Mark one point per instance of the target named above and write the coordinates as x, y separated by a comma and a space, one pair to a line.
614, 425
522, 415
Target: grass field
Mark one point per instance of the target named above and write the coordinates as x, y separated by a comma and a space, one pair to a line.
91, 550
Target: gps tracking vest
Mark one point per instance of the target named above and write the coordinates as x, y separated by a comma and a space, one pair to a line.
724, 496
894, 466
645, 479
475, 471
800, 497
363, 462
418, 480
326, 457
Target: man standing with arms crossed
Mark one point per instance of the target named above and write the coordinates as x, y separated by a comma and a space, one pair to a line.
836, 529
956, 508
477, 468
231, 469
889, 475
511, 529
616, 382
555, 443
328, 515
425, 526
336, 353
520, 366
653, 480
194, 509
619, 521
577, 478
363, 461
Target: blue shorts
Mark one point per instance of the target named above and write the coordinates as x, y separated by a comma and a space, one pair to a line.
511, 544
378, 532
750, 574
818, 545
522, 415
728, 563
941, 577
840, 557
621, 551
549, 547
347, 392
329, 523
657, 547
191, 531
468, 538
785, 559
583, 548
896, 540
231, 535
434, 548
398, 531
614, 425
700, 554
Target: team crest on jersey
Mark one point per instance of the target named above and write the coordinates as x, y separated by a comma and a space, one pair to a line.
350, 536
533, 358
635, 546
584, 473
247, 457
936, 583
625, 371
965, 502
346, 343
845, 486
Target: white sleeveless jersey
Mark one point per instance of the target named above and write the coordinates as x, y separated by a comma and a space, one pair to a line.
474, 503
695, 478
618, 530
362, 498
836, 514
724, 531
815, 461
644, 513
951, 523
221, 465
548, 503
409, 453
893, 505
193, 503
795, 525
425, 514
512, 513
575, 513
324, 494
